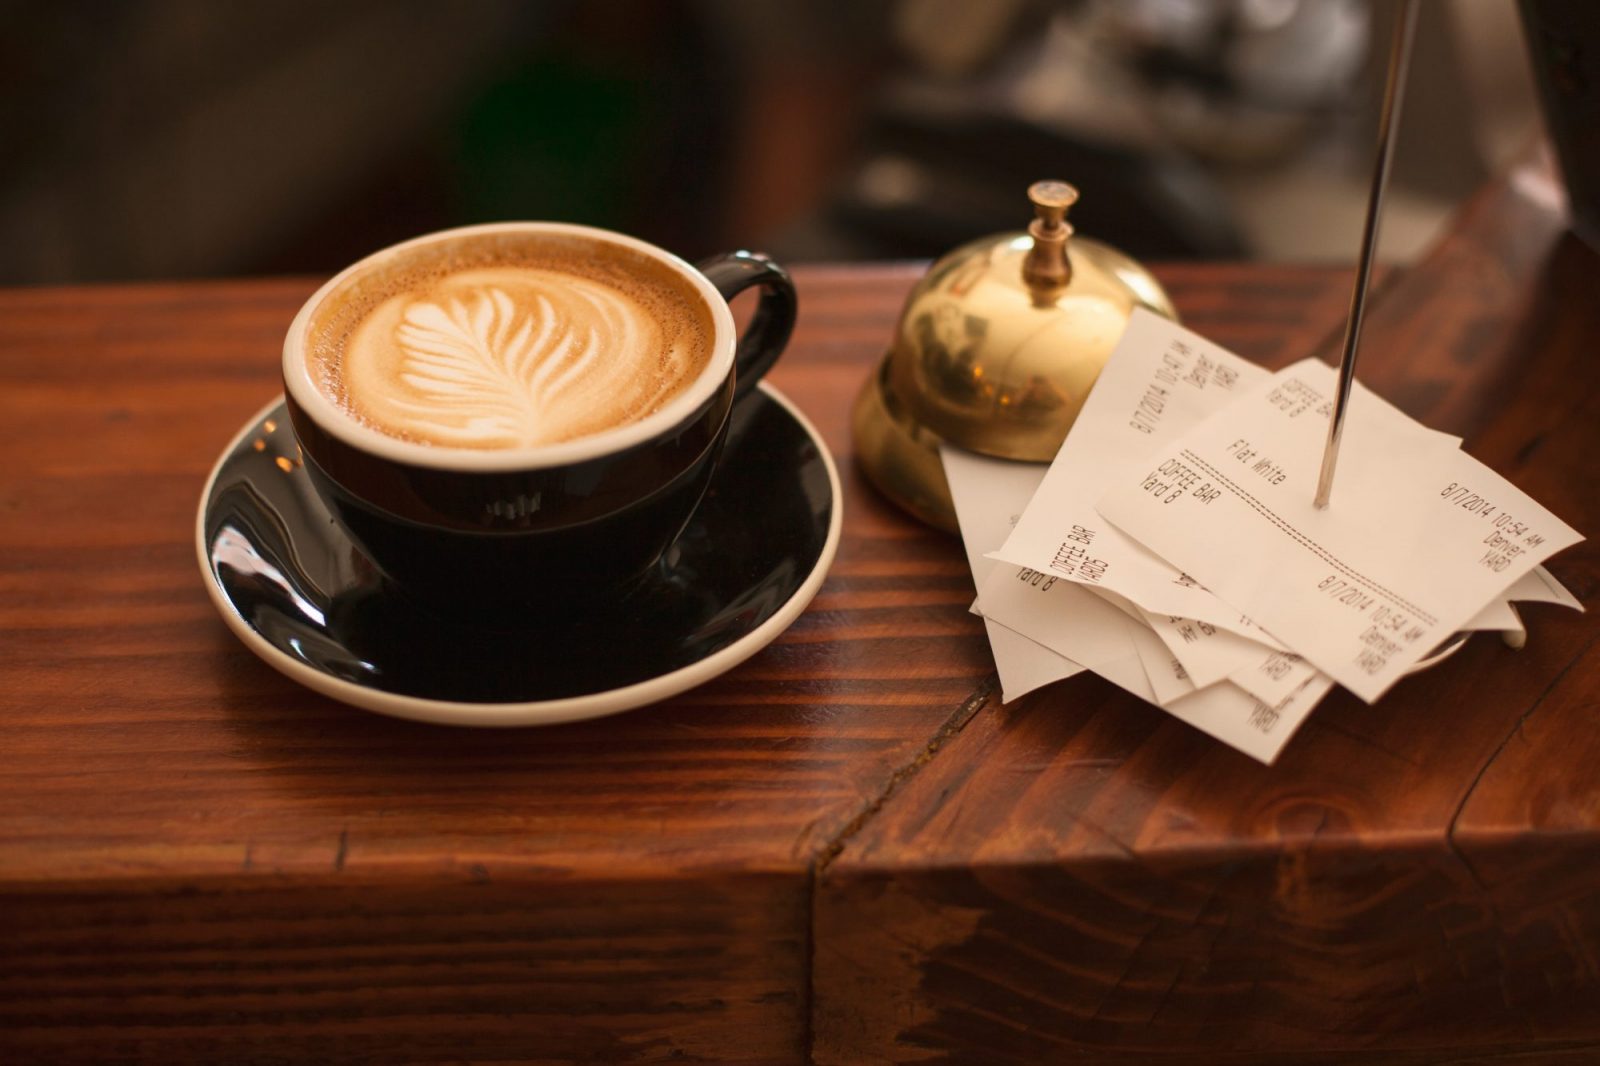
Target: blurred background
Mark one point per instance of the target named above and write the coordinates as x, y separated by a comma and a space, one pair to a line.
184, 138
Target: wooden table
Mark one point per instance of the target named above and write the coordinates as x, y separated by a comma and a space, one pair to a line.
846, 850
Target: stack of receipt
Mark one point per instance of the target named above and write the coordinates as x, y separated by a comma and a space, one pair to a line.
1172, 547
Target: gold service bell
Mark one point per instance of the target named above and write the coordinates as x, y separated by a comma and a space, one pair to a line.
996, 351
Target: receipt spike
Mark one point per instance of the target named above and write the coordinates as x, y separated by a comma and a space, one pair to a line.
1393, 92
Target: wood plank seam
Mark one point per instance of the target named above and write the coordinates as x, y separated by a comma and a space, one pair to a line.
1516, 727
980, 697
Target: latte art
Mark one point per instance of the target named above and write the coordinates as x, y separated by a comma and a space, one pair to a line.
496, 345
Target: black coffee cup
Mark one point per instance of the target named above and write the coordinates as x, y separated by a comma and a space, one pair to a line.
475, 529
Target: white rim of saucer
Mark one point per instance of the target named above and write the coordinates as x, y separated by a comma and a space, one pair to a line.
535, 712
326, 414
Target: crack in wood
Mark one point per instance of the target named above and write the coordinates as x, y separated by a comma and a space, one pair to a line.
952, 727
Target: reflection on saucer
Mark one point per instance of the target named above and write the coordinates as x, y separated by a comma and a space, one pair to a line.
293, 588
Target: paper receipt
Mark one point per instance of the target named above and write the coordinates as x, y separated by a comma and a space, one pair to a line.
1418, 537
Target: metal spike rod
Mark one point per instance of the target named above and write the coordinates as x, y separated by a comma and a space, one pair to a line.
1393, 92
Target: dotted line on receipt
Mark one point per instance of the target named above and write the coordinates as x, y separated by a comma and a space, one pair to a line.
1309, 544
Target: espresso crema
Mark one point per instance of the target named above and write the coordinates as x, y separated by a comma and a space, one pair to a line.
509, 340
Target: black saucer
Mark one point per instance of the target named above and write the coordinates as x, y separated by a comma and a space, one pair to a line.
299, 594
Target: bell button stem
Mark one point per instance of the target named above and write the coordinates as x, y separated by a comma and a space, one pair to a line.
1046, 266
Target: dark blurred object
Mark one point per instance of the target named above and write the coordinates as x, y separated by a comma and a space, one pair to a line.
1242, 80
163, 138
181, 137
935, 180
184, 138
619, 122
1122, 98
1564, 44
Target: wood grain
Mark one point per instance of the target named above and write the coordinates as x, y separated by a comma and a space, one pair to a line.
1078, 874
200, 861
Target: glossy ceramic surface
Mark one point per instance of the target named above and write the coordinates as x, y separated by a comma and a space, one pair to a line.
290, 584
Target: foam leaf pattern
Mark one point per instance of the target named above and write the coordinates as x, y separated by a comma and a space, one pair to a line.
483, 368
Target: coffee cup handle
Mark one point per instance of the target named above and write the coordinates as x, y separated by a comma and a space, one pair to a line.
764, 338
